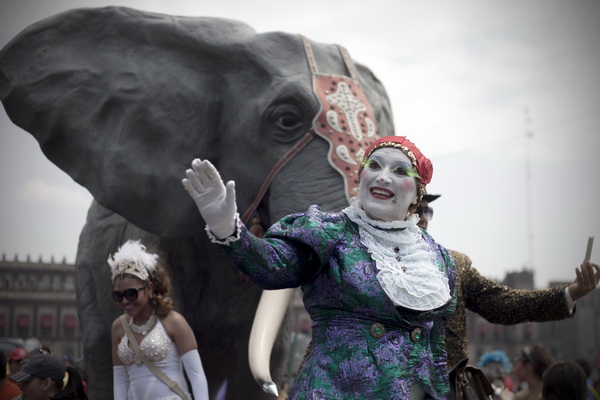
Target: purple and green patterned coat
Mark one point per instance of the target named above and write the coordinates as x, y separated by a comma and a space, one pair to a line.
350, 358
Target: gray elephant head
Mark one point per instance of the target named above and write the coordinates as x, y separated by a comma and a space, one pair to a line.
123, 100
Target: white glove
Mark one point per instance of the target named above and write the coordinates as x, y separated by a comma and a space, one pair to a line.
120, 382
195, 372
215, 201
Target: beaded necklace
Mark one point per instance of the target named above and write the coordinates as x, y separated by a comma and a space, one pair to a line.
145, 328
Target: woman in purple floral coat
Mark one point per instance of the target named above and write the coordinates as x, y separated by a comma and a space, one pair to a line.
378, 289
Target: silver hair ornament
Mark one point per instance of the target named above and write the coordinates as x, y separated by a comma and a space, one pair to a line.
133, 259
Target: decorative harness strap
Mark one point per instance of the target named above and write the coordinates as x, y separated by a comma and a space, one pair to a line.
345, 120
276, 168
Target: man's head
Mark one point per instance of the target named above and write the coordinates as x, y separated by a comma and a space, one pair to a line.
15, 360
424, 211
564, 380
42, 377
41, 366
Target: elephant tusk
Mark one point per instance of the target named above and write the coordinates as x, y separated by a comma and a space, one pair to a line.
270, 388
267, 321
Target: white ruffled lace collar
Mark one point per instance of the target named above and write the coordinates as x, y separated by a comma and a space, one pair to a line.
406, 264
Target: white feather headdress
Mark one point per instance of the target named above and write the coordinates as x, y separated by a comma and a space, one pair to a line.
133, 259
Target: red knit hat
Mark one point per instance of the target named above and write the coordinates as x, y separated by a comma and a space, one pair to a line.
421, 163
17, 354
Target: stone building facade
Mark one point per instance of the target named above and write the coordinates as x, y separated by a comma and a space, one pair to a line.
37, 300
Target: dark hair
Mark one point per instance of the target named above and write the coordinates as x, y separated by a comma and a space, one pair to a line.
2, 365
75, 390
539, 357
41, 349
564, 380
583, 363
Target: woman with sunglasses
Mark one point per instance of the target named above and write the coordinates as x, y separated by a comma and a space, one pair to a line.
378, 289
529, 367
142, 287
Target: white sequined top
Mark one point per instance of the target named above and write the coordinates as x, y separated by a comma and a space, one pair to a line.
155, 346
161, 350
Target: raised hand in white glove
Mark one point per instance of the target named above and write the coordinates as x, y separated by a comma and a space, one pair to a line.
215, 200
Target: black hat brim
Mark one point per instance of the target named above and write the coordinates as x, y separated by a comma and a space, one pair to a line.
430, 197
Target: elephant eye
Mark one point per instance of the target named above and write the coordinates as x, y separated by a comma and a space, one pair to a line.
289, 120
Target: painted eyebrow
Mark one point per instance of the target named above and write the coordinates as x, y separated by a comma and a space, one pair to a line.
394, 166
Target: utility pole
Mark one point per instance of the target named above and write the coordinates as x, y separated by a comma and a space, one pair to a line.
528, 184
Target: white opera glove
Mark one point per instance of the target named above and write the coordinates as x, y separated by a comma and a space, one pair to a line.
195, 372
215, 200
120, 382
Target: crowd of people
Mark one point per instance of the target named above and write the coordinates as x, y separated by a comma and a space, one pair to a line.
535, 373
532, 373
39, 374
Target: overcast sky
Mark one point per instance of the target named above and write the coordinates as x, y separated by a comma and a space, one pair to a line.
467, 80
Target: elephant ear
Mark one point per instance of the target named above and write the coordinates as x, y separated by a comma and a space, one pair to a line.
122, 100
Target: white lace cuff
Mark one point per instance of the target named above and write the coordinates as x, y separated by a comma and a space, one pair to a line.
234, 237
569, 300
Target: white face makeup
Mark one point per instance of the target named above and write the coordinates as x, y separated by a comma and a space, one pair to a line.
386, 191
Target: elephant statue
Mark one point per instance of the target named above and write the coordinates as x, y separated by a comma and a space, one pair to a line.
123, 100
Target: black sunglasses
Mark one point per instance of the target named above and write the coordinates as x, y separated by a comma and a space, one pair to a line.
130, 294
425, 210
